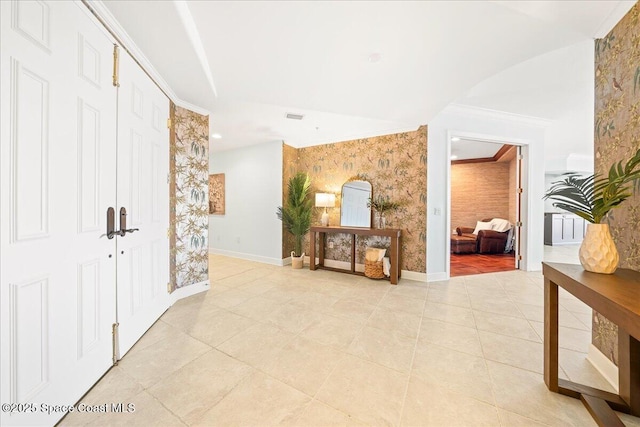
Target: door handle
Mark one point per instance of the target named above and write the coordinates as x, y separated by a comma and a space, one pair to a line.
123, 220
123, 223
111, 224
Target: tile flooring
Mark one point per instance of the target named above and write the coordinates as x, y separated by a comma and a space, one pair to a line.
275, 346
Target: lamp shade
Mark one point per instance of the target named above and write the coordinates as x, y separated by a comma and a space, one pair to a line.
325, 200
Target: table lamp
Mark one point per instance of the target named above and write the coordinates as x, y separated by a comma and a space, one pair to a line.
325, 200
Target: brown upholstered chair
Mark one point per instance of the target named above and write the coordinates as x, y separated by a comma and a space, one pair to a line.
491, 242
487, 241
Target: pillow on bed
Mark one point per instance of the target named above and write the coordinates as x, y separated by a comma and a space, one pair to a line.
482, 226
500, 225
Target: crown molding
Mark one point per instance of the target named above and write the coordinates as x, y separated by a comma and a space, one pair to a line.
191, 107
106, 18
355, 136
616, 15
486, 113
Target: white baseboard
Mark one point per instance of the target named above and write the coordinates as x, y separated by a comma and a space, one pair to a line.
437, 277
249, 257
332, 263
603, 365
187, 291
345, 265
414, 275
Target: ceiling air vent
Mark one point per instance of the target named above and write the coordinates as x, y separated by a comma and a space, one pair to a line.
294, 116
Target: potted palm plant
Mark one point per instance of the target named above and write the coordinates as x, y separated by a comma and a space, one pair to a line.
296, 214
591, 198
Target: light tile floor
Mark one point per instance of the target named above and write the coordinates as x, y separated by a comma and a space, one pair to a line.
275, 346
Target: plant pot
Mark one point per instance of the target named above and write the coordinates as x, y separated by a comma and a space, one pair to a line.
598, 252
380, 222
297, 261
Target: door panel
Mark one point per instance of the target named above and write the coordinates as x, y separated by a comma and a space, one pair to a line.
57, 179
143, 167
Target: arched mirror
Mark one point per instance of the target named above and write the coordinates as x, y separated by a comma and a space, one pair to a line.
353, 210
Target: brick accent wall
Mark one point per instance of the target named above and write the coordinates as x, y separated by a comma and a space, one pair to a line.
479, 191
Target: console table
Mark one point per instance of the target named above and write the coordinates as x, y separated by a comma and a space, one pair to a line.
617, 297
394, 250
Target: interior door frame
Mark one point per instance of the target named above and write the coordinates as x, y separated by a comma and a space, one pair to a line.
522, 208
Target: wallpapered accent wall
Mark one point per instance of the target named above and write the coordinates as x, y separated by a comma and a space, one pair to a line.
617, 137
396, 166
189, 170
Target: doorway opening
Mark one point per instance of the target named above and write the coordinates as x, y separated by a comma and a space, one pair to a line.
484, 206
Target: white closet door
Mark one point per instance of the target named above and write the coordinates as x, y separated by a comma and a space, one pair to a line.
143, 190
57, 179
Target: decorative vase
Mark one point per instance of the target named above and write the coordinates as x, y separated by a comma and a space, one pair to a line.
598, 252
376, 220
297, 261
383, 221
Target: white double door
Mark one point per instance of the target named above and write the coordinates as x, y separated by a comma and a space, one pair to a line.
72, 146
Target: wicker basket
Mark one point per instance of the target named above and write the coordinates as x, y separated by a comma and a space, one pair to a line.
373, 269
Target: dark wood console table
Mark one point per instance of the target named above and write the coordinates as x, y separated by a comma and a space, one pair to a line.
394, 250
617, 297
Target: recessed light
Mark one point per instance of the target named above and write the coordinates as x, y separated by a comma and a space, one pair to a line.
216, 136
455, 139
453, 157
294, 116
375, 57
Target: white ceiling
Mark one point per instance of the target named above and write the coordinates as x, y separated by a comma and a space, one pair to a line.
269, 58
466, 149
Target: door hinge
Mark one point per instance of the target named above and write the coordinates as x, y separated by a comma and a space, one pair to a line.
116, 65
169, 287
520, 157
114, 343
168, 178
169, 123
519, 257
520, 190
518, 223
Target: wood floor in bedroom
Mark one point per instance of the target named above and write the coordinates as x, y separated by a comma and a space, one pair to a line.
468, 264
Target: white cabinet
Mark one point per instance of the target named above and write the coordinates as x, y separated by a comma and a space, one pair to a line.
563, 229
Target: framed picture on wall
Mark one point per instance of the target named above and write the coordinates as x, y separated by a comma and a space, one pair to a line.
216, 194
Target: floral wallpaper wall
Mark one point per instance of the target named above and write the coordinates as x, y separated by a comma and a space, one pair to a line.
216, 194
396, 166
189, 170
617, 137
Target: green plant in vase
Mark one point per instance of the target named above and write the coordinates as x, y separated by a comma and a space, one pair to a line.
592, 197
382, 205
296, 213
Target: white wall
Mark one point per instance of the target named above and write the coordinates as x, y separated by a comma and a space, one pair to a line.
549, 179
490, 125
249, 228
